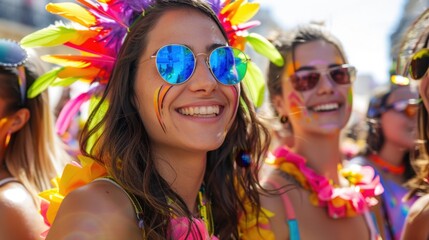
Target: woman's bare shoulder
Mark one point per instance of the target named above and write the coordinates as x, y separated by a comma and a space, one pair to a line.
20, 218
417, 219
273, 202
99, 209
420, 208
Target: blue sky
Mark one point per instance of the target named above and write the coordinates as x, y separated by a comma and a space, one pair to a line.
363, 26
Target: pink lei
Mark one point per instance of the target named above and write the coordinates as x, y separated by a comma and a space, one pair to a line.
180, 227
354, 198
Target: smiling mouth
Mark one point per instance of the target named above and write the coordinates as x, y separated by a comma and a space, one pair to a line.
325, 107
200, 111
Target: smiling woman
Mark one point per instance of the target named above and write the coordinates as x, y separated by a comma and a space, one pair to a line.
166, 141
312, 93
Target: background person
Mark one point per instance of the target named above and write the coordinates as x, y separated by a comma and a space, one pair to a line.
30, 152
313, 92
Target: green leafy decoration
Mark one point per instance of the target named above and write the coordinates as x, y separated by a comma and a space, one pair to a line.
264, 47
48, 37
254, 84
64, 82
43, 82
94, 101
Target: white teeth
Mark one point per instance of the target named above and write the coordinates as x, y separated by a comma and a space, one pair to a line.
326, 107
200, 111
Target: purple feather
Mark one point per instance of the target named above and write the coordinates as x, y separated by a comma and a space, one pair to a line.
216, 5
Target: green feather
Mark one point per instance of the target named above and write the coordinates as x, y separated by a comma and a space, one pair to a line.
261, 45
254, 84
64, 82
94, 101
43, 82
49, 37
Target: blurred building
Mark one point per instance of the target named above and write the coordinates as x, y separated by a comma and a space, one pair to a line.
412, 9
20, 17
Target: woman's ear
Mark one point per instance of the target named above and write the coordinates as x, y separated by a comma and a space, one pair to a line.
19, 119
279, 105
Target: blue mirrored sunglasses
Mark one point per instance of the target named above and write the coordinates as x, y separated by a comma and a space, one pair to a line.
176, 63
13, 57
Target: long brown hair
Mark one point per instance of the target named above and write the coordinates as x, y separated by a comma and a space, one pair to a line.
124, 145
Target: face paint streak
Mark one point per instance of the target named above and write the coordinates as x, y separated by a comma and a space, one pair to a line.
294, 102
350, 96
3, 121
163, 94
158, 104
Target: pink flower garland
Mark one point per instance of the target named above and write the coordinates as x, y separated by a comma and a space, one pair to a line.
179, 229
345, 201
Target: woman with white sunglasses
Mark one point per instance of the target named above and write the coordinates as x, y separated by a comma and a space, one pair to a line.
312, 92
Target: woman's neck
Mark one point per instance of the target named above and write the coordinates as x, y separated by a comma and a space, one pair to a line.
184, 172
322, 154
392, 154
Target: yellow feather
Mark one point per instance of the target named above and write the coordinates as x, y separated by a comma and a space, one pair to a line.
73, 12
82, 73
64, 61
244, 13
56, 35
231, 8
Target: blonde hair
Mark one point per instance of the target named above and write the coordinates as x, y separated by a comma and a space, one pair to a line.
35, 154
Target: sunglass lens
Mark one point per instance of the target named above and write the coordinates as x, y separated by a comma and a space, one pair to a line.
228, 65
408, 108
175, 63
11, 54
411, 110
303, 81
340, 75
419, 64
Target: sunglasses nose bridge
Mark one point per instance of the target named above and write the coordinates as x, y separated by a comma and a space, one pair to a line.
207, 63
206, 59
325, 78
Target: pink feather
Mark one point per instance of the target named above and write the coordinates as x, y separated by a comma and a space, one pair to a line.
70, 110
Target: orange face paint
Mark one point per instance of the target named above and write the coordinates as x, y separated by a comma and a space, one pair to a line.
158, 102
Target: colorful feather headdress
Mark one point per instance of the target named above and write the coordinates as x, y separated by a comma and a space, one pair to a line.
98, 29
